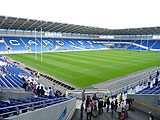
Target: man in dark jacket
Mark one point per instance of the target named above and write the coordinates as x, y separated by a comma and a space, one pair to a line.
38, 91
108, 103
112, 107
42, 91
100, 106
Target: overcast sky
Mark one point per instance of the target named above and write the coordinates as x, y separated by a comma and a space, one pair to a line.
112, 14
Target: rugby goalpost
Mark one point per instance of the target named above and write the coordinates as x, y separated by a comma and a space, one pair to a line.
40, 43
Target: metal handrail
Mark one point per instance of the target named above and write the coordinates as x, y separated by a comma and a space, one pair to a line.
32, 107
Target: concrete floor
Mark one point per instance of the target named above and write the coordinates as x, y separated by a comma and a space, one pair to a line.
132, 115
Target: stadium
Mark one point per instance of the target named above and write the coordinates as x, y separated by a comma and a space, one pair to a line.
61, 71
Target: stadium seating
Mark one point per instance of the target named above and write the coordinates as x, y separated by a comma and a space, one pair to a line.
150, 89
15, 43
12, 79
30, 43
59, 44
16, 106
2, 44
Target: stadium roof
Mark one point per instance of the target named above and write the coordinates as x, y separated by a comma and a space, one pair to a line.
13, 23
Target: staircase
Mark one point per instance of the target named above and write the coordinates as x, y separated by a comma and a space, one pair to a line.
57, 45
131, 44
119, 44
7, 47
153, 44
42, 45
25, 44
139, 45
79, 44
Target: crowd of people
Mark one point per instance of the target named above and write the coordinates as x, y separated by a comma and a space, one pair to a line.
151, 77
95, 106
39, 90
3, 69
35, 74
29, 86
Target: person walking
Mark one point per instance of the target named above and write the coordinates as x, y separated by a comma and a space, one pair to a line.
105, 101
94, 97
83, 95
122, 104
151, 72
123, 116
88, 112
38, 75
157, 73
116, 105
108, 104
38, 91
112, 107
42, 92
119, 110
50, 92
126, 108
33, 87
92, 105
100, 106
82, 109
87, 102
95, 109
150, 116
156, 81
121, 97
25, 85
149, 80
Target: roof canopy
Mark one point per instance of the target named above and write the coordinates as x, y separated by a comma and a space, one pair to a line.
47, 26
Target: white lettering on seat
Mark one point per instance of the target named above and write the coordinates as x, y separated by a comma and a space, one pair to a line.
71, 42
89, 42
59, 42
14, 42
46, 42
30, 42
81, 42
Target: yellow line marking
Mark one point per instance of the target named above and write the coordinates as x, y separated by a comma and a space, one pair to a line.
154, 44
78, 43
147, 105
67, 43
119, 44
70, 110
39, 42
139, 44
131, 44
23, 42
4, 42
53, 42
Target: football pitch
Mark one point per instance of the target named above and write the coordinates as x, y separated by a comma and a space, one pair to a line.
85, 68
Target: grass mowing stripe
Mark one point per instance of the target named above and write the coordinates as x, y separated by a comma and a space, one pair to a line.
84, 68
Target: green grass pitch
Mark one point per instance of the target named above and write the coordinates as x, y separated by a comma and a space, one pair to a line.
85, 68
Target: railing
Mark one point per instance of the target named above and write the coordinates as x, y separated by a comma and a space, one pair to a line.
146, 105
102, 92
15, 51
99, 93
22, 108
5, 93
134, 83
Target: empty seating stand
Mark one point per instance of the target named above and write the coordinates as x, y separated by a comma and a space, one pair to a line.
58, 44
150, 90
23, 105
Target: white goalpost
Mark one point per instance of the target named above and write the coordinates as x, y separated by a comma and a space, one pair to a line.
41, 45
35, 46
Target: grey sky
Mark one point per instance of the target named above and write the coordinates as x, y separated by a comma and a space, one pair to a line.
115, 14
